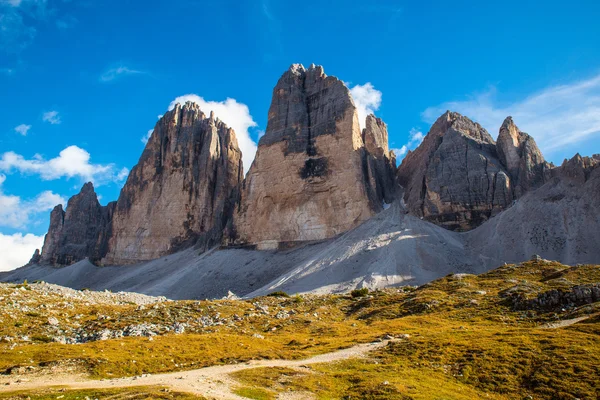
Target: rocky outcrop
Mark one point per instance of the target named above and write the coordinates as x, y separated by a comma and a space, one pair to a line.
79, 232
310, 179
454, 178
381, 161
578, 169
522, 158
182, 190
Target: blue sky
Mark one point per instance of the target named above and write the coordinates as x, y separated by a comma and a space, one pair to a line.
82, 82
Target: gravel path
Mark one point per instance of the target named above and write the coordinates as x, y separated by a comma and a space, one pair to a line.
212, 382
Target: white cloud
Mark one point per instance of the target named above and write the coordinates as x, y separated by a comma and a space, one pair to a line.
71, 162
415, 137
16, 250
16, 213
367, 100
23, 129
235, 115
122, 175
52, 117
555, 116
113, 73
147, 136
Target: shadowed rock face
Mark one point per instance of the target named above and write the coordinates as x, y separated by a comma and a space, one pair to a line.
181, 191
80, 232
311, 178
454, 178
381, 161
521, 157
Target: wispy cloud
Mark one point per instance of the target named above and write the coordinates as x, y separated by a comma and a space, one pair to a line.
15, 34
22, 129
235, 115
52, 117
112, 74
71, 162
556, 116
367, 100
147, 136
16, 213
7, 71
415, 138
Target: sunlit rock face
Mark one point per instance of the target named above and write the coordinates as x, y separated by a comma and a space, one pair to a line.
182, 190
311, 178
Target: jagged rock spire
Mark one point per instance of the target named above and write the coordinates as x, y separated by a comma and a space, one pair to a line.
310, 178
521, 157
79, 232
454, 178
182, 190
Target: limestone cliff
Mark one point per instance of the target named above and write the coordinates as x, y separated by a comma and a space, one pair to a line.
454, 178
180, 192
79, 232
310, 179
521, 157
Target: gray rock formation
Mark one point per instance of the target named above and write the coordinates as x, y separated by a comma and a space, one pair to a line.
182, 190
79, 232
559, 221
454, 178
381, 161
311, 179
522, 158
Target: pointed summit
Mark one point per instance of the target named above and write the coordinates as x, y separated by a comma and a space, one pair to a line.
310, 179
454, 178
521, 157
79, 232
181, 191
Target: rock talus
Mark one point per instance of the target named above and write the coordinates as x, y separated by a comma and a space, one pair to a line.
182, 190
310, 178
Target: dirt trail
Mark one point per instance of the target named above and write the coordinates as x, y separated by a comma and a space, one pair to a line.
211, 382
566, 322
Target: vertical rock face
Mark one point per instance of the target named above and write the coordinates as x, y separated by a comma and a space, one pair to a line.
381, 161
79, 232
522, 158
454, 178
310, 178
180, 192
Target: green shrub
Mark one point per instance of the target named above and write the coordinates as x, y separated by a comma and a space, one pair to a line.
359, 292
278, 293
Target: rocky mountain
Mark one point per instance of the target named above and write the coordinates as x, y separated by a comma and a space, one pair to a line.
79, 232
455, 178
522, 159
560, 220
314, 176
182, 190
326, 200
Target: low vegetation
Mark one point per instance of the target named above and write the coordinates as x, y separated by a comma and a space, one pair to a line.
459, 337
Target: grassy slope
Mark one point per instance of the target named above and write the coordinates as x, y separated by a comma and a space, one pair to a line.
465, 340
